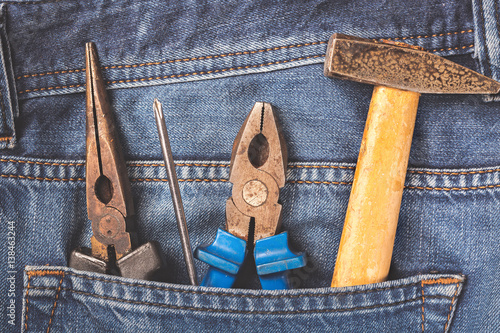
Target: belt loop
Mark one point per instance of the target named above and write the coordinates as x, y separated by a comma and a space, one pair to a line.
8, 99
487, 39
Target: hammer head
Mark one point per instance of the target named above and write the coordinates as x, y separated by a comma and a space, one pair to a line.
402, 66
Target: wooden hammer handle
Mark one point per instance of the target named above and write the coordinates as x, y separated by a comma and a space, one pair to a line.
365, 249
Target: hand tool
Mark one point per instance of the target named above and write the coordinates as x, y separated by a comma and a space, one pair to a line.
400, 73
174, 191
109, 199
258, 166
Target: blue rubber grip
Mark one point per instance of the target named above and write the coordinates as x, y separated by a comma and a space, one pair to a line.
225, 256
274, 259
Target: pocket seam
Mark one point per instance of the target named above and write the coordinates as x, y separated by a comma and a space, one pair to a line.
175, 307
58, 273
423, 302
451, 307
55, 303
27, 303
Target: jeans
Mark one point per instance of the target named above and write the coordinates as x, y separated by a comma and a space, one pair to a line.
208, 62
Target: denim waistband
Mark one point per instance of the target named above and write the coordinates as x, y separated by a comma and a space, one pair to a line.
233, 38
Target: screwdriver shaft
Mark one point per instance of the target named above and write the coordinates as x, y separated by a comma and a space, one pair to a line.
175, 192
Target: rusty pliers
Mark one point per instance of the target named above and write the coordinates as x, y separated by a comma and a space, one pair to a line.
258, 167
109, 198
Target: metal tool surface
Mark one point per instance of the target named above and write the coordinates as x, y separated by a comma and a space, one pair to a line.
109, 199
400, 72
174, 191
258, 166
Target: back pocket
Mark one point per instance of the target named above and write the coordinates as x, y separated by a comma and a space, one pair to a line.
60, 299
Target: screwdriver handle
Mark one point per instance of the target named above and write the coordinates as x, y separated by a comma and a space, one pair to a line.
367, 240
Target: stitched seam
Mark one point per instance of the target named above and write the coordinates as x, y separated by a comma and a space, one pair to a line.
454, 173
42, 178
41, 163
423, 301
41, 272
434, 35
176, 307
6, 138
305, 166
226, 180
451, 307
27, 303
177, 60
180, 75
442, 281
207, 165
453, 48
318, 182
228, 55
55, 303
448, 189
208, 72
432, 281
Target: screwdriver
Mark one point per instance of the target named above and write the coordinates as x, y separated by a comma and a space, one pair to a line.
174, 190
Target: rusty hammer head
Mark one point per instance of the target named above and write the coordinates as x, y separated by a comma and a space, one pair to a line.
402, 66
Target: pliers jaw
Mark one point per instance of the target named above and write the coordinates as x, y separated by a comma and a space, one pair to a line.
258, 171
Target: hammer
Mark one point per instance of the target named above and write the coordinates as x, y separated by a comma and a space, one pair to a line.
400, 73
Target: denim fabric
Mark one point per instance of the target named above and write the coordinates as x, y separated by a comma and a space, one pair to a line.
208, 63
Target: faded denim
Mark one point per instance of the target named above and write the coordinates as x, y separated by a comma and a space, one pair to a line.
209, 62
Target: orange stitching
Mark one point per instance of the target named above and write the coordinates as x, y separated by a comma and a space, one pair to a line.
42, 272
452, 188
6, 138
442, 281
226, 180
179, 75
215, 71
322, 167
179, 164
454, 173
435, 35
451, 307
453, 48
177, 60
423, 301
51, 88
27, 303
180, 180
318, 182
55, 303
51, 73
42, 163
42, 178
227, 165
